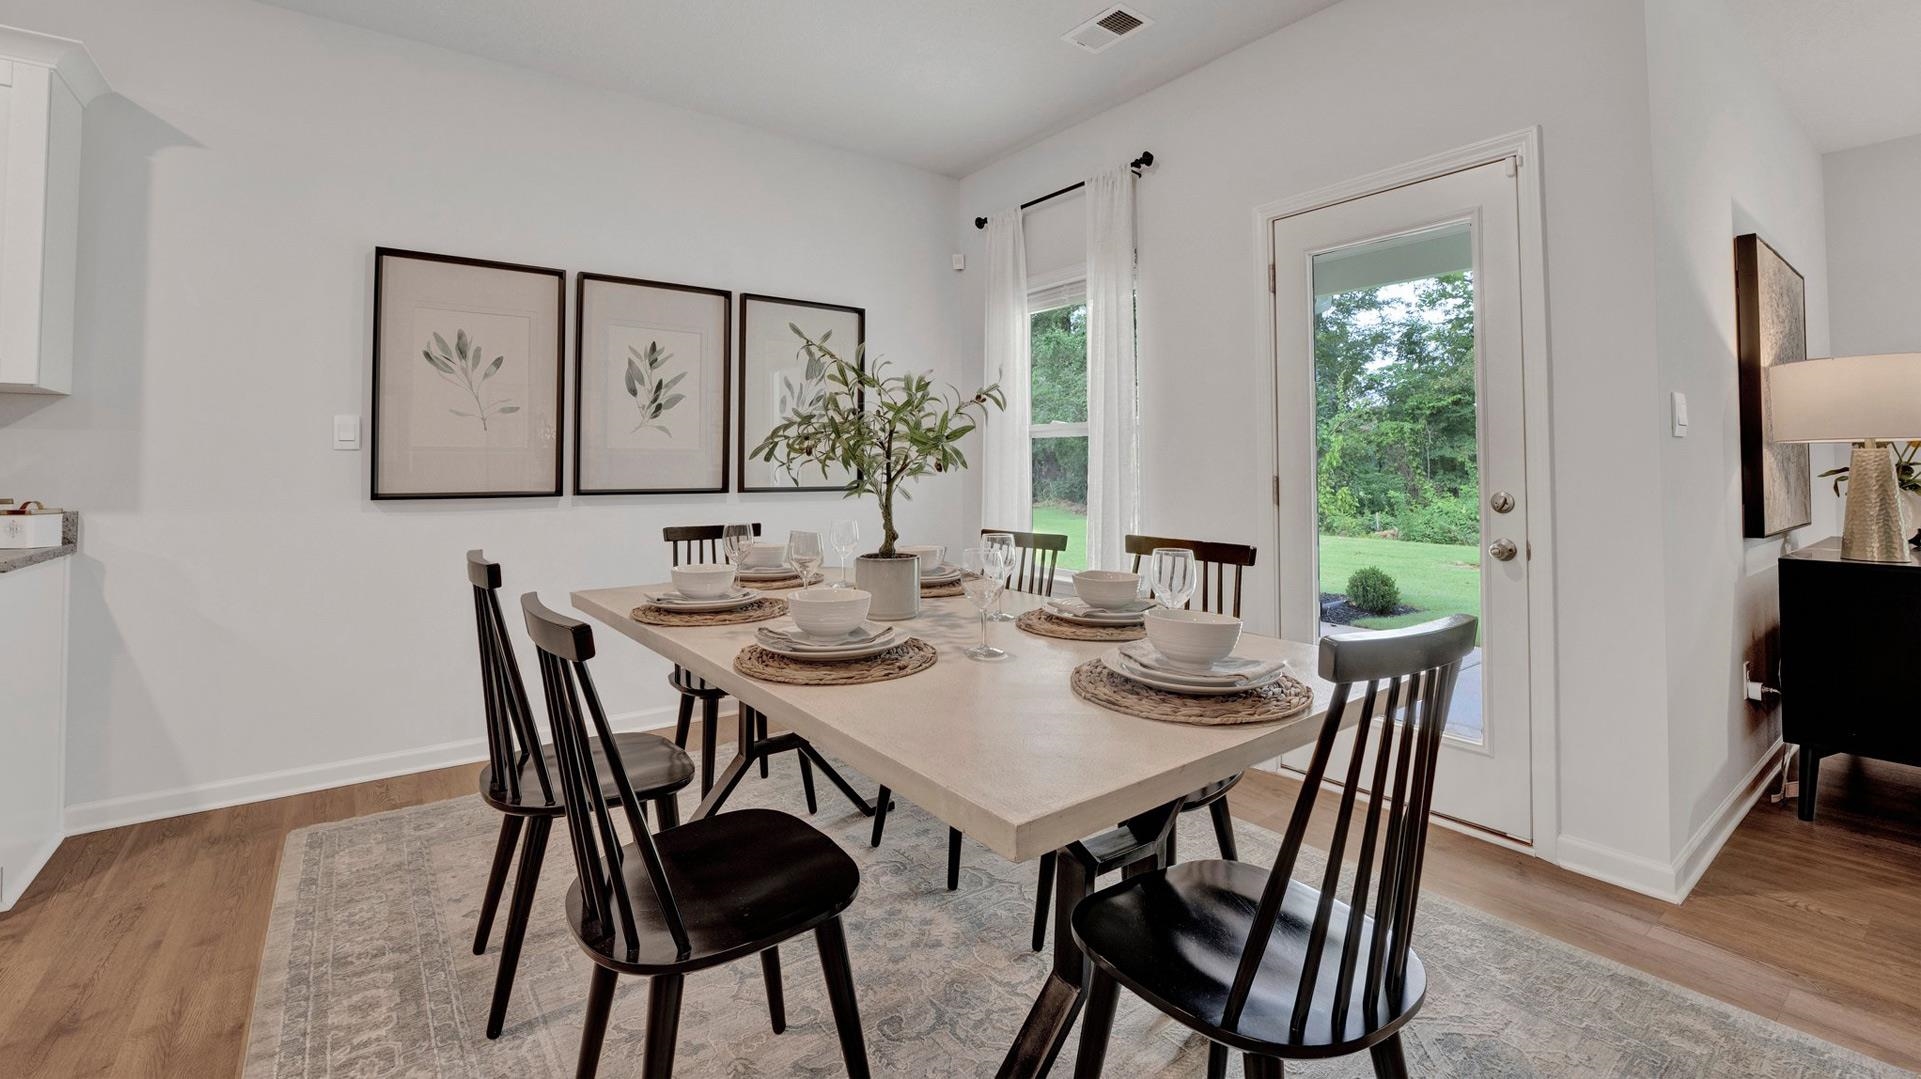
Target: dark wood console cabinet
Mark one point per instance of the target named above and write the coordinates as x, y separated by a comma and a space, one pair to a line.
1850, 659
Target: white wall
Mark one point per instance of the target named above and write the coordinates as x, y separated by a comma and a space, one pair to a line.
1874, 237
245, 621
1362, 86
1728, 159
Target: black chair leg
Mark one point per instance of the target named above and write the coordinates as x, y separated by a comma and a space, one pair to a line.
663, 1026
1224, 830
1216, 1060
776, 996
685, 721
760, 735
1097, 1022
1041, 901
525, 881
1810, 778
953, 858
593, 1031
881, 802
709, 720
807, 782
1264, 1067
1389, 1061
840, 993
1171, 852
667, 809
497, 878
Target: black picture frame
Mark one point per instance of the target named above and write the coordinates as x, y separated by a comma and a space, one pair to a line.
746, 382
382, 255
726, 338
1771, 327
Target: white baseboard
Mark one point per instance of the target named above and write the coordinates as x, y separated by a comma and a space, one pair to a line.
1673, 881
136, 808
17, 879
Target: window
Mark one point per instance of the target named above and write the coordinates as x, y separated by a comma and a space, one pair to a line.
1057, 334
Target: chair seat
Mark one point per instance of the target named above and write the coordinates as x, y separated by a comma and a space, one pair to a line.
1175, 936
1210, 794
655, 767
744, 881
684, 681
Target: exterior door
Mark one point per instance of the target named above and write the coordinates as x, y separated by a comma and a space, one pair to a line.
1402, 450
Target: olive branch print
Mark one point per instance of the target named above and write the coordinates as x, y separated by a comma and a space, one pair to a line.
461, 366
652, 394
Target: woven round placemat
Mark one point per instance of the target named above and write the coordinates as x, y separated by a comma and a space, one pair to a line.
782, 584
1042, 624
941, 591
758, 611
1286, 698
909, 657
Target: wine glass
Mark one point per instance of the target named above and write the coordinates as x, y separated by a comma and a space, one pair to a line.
1171, 573
845, 537
982, 570
1002, 542
737, 539
804, 553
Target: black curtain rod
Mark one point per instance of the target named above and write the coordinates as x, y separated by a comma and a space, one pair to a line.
1139, 163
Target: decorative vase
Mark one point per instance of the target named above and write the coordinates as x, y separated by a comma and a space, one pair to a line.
894, 582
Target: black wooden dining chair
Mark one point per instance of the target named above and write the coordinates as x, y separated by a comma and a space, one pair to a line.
696, 544
520, 780
1280, 969
705, 893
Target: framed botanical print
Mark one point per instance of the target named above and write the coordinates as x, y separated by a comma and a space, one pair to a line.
777, 380
651, 370
1770, 301
466, 377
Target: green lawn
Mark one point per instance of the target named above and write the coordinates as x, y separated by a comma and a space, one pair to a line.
1061, 519
1438, 578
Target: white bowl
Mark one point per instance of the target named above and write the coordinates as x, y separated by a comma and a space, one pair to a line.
1193, 636
703, 580
1109, 589
825, 612
764, 556
929, 554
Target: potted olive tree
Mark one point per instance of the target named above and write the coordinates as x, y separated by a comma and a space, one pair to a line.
883, 430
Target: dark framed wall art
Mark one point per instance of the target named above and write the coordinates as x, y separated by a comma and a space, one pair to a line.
466, 377
776, 380
1771, 328
652, 366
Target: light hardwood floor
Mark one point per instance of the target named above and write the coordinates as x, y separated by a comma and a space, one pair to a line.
134, 952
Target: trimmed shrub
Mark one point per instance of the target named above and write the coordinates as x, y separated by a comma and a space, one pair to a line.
1370, 589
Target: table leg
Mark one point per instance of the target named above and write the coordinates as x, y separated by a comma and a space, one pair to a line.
1051, 1019
1810, 777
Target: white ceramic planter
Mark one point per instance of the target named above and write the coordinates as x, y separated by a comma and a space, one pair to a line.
894, 583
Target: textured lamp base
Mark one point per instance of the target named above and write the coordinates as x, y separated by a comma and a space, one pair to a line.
1872, 530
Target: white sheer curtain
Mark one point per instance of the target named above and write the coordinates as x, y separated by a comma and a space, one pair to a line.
1113, 414
1007, 474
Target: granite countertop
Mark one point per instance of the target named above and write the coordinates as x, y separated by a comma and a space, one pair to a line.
69, 541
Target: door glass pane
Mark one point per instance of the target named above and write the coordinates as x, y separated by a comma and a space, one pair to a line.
1058, 343
1397, 459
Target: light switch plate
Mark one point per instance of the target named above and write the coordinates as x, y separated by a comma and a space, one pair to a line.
346, 432
1679, 411
960, 262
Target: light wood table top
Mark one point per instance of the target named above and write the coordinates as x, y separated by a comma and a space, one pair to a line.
1005, 751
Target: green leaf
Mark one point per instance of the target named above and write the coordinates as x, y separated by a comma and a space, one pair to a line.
458, 412
460, 343
495, 366
672, 401
441, 343
632, 378
504, 409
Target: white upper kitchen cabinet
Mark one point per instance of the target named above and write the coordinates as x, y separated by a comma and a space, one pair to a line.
45, 85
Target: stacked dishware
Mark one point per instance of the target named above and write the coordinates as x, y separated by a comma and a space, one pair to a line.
934, 569
829, 624
1102, 598
1192, 653
703, 587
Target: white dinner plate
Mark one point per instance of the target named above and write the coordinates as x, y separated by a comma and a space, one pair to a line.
674, 601
1144, 655
946, 574
767, 573
1082, 615
793, 635
821, 655
1134, 672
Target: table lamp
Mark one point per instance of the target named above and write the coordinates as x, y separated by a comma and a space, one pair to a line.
1866, 400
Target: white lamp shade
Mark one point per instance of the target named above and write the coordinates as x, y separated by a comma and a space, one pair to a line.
1846, 399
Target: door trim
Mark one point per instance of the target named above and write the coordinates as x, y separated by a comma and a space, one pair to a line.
1524, 147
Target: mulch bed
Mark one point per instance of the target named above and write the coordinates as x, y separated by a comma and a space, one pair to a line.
1337, 610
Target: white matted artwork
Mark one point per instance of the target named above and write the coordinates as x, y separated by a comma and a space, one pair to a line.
651, 366
466, 373
776, 379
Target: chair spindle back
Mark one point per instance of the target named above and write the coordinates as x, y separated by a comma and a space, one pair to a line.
697, 544
512, 738
1035, 554
565, 646
1212, 561
1409, 672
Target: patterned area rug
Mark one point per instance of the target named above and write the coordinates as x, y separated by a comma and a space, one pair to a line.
369, 971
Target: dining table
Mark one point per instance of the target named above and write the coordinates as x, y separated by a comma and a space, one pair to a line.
1005, 751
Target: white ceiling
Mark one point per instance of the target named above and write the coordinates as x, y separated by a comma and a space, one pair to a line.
1849, 69
943, 85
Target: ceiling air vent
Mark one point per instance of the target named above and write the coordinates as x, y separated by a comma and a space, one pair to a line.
1103, 30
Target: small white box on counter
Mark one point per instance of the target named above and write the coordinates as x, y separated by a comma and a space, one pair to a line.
32, 525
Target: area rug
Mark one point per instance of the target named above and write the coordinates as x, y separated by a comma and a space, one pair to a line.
368, 971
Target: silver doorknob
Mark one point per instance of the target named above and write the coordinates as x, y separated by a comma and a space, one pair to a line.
1501, 501
1503, 550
